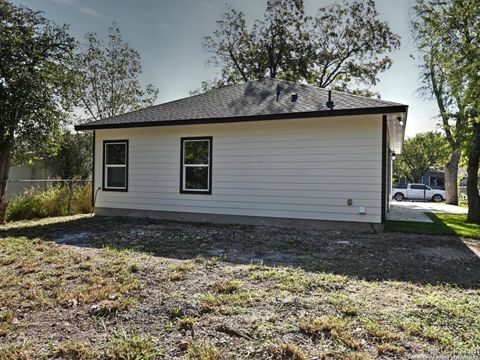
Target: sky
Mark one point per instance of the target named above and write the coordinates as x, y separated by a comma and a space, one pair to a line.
168, 35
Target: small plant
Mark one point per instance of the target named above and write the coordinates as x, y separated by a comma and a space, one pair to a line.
209, 262
227, 286
188, 323
216, 302
357, 355
179, 271
342, 303
332, 326
135, 348
374, 329
15, 352
75, 351
112, 307
6, 321
286, 351
203, 351
176, 312
389, 348
134, 268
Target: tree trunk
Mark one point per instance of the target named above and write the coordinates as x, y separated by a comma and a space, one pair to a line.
451, 178
4, 170
472, 182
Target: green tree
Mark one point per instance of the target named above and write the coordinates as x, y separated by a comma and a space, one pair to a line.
436, 85
73, 159
419, 154
36, 85
343, 47
110, 77
453, 29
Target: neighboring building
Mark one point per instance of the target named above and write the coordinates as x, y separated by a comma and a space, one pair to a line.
22, 178
435, 178
267, 151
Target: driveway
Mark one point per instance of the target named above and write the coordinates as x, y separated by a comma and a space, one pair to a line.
415, 211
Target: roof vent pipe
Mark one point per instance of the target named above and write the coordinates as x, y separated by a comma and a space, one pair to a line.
278, 91
330, 104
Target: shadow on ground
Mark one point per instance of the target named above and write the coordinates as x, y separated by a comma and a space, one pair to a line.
425, 259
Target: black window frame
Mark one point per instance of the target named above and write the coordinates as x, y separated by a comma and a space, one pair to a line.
105, 143
210, 165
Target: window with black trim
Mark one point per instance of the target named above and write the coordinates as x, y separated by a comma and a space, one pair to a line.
115, 165
196, 165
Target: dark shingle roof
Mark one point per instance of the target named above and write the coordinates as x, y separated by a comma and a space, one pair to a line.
254, 100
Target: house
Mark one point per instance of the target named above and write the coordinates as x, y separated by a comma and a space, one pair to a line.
435, 178
263, 152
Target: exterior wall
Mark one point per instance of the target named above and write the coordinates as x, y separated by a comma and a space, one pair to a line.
300, 169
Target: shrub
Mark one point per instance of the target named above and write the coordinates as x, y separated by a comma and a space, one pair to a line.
82, 199
37, 203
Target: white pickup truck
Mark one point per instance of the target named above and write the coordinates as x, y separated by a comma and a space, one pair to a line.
418, 192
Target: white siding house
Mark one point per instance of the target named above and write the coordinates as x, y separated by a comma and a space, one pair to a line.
289, 171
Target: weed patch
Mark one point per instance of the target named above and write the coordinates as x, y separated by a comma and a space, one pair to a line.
144, 348
286, 351
203, 351
179, 271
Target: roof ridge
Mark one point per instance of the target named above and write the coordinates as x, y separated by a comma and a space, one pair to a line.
338, 91
246, 99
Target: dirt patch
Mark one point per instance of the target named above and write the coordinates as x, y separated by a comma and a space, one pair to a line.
237, 291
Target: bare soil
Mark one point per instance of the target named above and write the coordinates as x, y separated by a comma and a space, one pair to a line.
246, 290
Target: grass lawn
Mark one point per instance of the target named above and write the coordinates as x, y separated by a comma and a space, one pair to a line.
448, 224
137, 289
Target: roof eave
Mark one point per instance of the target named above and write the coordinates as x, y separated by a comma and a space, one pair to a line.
296, 115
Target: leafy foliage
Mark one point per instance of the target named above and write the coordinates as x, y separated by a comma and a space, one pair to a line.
110, 72
74, 158
449, 31
419, 154
343, 46
36, 84
39, 203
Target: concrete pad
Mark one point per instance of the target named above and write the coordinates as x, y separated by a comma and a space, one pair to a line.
415, 211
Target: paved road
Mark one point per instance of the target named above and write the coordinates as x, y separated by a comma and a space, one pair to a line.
415, 211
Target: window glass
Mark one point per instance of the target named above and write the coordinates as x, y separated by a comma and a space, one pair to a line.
196, 165
115, 167
115, 154
116, 177
196, 152
196, 178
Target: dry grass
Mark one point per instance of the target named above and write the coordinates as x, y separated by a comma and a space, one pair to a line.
203, 351
332, 326
75, 351
44, 275
136, 347
286, 351
374, 329
106, 303
177, 272
227, 286
389, 348
16, 352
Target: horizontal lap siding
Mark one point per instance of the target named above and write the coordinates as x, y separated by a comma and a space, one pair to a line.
286, 168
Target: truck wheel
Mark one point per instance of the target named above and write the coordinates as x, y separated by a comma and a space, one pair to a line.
399, 197
437, 198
